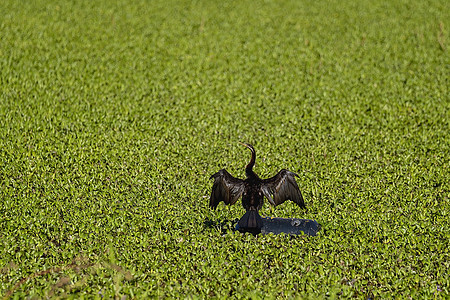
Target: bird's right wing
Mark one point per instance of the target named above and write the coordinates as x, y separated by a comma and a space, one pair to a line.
226, 188
283, 187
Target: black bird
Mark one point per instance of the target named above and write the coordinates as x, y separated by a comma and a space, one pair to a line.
253, 189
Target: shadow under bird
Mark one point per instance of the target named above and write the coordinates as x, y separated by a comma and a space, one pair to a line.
253, 189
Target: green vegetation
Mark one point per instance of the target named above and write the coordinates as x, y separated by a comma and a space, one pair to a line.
113, 115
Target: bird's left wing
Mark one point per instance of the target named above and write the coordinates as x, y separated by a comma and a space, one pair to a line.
226, 188
282, 187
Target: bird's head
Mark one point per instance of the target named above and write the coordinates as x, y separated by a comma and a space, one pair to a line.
248, 146
249, 168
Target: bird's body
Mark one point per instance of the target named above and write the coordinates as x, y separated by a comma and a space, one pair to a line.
253, 189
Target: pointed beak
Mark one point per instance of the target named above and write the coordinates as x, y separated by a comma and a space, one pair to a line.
244, 144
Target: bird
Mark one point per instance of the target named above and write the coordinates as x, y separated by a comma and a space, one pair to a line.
253, 189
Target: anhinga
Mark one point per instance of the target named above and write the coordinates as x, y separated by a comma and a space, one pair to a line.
253, 189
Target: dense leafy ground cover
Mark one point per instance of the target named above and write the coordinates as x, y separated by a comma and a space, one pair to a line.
113, 114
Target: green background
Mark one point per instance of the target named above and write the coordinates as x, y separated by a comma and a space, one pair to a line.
113, 115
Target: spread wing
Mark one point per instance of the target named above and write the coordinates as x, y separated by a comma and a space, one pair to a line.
226, 188
282, 187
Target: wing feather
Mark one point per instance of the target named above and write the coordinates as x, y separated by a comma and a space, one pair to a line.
226, 188
282, 187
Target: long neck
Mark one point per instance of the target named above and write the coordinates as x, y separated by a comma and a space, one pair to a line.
249, 168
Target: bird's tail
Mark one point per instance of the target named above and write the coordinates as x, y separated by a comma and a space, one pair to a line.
251, 222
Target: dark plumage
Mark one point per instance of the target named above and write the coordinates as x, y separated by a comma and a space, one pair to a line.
253, 189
